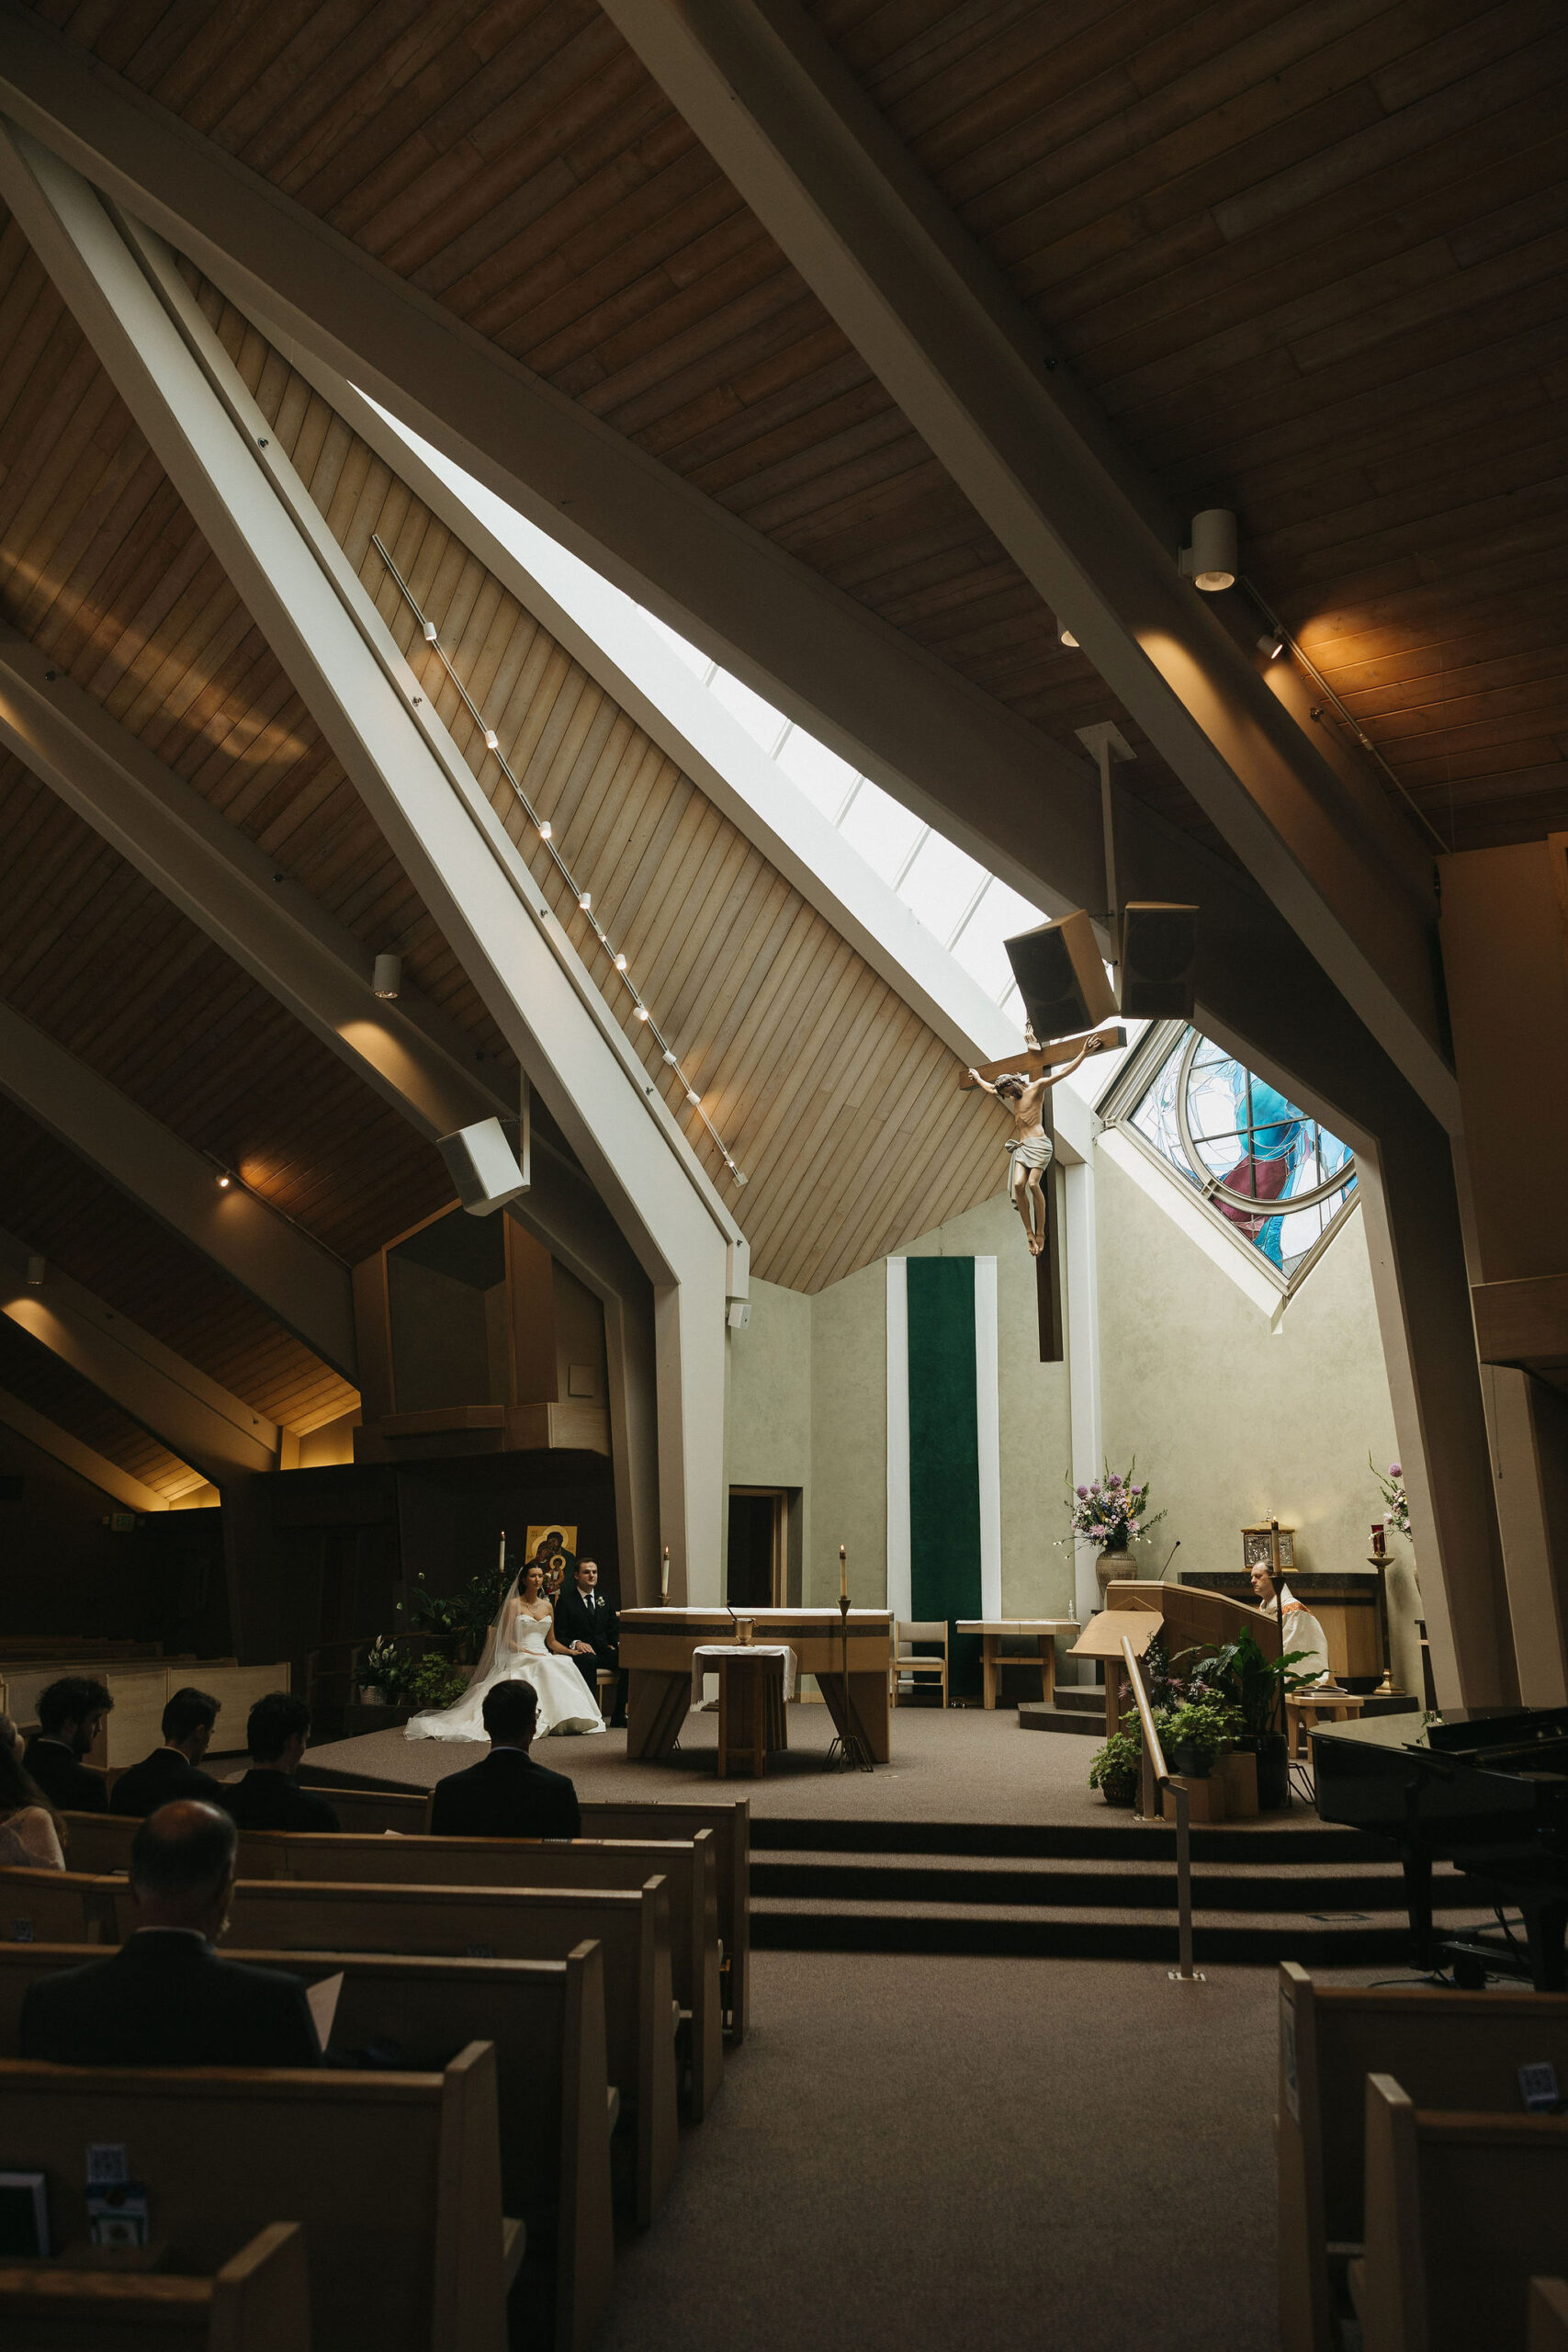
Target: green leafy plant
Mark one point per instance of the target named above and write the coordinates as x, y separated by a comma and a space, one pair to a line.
1203, 1725
434, 1682
1120, 1759
1240, 1675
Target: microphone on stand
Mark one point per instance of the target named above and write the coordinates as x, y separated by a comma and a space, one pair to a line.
1168, 1557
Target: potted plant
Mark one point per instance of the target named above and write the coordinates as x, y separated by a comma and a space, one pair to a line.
1116, 1769
1108, 1513
1255, 1687
1194, 1734
380, 1662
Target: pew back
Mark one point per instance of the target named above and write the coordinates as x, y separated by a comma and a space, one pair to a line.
259, 2300
1461, 2210
1450, 2050
546, 2019
56, 1907
730, 1821
508, 1923
1547, 2315
687, 1865
394, 2177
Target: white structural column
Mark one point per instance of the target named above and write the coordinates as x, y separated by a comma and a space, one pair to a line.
330, 642
306, 1288
70, 1452
216, 1432
763, 89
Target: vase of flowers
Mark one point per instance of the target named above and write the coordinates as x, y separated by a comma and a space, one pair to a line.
1396, 1504
1109, 1513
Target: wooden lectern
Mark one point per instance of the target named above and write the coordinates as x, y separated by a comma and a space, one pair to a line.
1185, 1617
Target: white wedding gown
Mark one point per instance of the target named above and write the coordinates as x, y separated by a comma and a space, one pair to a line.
566, 1700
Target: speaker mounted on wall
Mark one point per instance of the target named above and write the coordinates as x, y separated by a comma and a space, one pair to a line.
483, 1167
1061, 977
1159, 957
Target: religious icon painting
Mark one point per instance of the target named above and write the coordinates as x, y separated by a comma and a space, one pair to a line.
555, 1549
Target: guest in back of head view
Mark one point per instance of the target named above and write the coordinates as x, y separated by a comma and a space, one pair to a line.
166, 1998
269, 1797
69, 1712
507, 1795
171, 1771
31, 1832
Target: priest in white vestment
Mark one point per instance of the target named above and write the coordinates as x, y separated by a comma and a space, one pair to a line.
1301, 1628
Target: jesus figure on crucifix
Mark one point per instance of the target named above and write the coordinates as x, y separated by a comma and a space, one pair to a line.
1029, 1146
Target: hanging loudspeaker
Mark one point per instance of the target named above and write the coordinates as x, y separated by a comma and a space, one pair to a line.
1160, 954
482, 1166
1061, 977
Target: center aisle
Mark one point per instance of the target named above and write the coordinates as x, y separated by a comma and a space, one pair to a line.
952, 2152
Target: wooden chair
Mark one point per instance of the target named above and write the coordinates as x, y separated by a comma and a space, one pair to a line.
259, 2300
1461, 2210
904, 1660
513, 1923
687, 1864
1454, 2051
394, 2177
1546, 2326
556, 2109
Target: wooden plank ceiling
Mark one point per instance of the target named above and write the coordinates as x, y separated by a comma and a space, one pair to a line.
1309, 260
52, 1388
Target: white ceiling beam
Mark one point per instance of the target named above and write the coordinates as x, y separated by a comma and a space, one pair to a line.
50, 1439
409, 1052
180, 385
761, 86
299, 1282
1017, 801
198, 1419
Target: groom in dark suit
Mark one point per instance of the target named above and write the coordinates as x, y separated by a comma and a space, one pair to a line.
586, 1623
508, 1795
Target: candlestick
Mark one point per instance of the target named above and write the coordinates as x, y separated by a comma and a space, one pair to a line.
843, 1576
664, 1576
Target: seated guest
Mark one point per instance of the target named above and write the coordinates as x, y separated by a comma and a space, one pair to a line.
586, 1623
166, 1998
171, 1771
507, 1795
269, 1797
70, 1714
31, 1830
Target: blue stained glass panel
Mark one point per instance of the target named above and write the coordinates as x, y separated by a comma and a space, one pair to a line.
1246, 1136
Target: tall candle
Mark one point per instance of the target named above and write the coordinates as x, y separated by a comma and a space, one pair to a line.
664, 1576
843, 1576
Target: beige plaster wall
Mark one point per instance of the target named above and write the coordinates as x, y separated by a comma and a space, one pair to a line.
849, 1440
1231, 1419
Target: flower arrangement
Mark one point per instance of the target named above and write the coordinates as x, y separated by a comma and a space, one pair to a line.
1391, 1486
1112, 1510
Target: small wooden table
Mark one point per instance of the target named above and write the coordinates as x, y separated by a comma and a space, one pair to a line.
1305, 1708
751, 1714
994, 1631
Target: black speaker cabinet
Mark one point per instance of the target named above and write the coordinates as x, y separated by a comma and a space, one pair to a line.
1160, 954
1061, 977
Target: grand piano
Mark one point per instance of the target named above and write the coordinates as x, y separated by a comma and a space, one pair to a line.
1486, 1789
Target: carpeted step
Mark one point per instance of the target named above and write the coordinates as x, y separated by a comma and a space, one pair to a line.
1145, 1884
1111, 1836
1079, 1723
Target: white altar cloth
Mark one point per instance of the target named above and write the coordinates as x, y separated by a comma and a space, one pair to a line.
711, 1650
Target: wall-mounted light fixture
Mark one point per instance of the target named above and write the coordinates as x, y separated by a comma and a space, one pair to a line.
1211, 562
1064, 636
1272, 644
388, 977
224, 1182
37, 1270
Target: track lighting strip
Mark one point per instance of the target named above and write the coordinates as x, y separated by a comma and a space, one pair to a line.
641, 1011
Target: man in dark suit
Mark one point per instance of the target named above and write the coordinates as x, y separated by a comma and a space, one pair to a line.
508, 1795
171, 1771
269, 1797
70, 1714
166, 1998
586, 1623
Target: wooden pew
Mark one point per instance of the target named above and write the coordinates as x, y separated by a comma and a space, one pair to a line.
506, 1923
1461, 2208
1455, 2050
395, 2178
688, 1867
258, 2302
1546, 2316
57, 1907
547, 2021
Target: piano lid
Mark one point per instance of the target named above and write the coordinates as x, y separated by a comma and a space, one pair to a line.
1460, 1731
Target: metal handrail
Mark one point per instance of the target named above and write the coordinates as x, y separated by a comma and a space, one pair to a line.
1158, 1774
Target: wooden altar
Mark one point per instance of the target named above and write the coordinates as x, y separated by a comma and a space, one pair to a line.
655, 1647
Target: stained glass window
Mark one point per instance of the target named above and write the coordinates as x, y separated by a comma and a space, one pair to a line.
1278, 1176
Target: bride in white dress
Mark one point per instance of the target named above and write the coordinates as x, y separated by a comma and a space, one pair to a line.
521, 1646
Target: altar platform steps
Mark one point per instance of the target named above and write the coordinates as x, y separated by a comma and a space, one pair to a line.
1077, 1709
1328, 1898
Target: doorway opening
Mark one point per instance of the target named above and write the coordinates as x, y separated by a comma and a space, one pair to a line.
758, 1572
